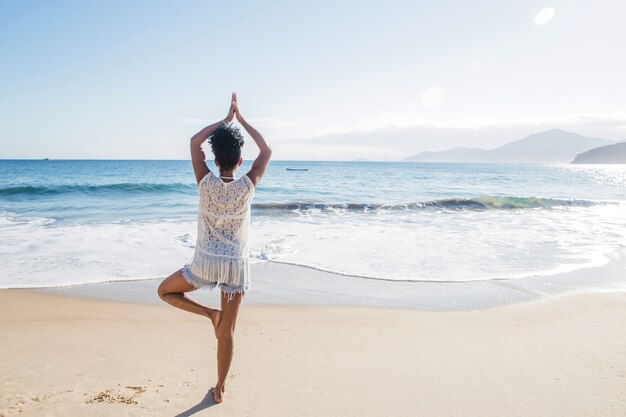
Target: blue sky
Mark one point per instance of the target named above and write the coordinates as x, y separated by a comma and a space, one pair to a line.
117, 79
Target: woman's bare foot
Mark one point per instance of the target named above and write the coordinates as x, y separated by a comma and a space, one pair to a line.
215, 316
218, 394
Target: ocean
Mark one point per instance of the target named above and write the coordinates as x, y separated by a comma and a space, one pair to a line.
69, 222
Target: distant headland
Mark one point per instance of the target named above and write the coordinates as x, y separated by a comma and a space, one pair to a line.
553, 146
609, 154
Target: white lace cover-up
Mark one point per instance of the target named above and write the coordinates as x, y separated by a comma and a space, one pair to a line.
221, 254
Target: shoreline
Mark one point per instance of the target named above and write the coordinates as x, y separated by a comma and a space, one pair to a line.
276, 283
562, 356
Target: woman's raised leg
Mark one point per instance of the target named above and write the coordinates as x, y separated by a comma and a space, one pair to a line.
172, 290
225, 345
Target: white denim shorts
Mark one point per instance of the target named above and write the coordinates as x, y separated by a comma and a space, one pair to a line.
198, 282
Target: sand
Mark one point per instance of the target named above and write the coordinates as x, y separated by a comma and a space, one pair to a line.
562, 356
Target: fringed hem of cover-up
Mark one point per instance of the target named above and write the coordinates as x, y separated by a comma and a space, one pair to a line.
199, 283
222, 269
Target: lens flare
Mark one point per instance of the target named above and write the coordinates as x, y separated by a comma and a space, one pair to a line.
544, 16
432, 96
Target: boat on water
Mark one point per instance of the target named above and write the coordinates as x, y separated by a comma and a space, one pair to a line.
297, 169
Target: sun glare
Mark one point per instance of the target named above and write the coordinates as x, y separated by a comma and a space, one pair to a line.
432, 96
544, 16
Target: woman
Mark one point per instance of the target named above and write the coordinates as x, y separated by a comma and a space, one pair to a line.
221, 253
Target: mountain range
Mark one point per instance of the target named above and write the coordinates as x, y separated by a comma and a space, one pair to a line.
553, 146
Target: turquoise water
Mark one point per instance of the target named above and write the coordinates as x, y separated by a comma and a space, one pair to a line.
68, 222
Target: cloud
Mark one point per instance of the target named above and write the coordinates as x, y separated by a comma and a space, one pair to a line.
389, 135
273, 122
193, 121
390, 120
474, 67
409, 135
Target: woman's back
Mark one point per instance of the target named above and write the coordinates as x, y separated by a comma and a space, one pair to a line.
224, 215
221, 254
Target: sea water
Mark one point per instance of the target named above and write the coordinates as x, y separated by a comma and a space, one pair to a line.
68, 222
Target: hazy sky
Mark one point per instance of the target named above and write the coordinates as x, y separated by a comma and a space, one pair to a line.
135, 79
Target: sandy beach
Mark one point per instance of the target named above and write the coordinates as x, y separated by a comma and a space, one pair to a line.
421, 204
561, 356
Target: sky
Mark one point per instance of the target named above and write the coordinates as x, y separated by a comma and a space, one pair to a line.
136, 79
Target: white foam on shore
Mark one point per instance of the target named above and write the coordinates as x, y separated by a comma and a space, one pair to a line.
33, 255
447, 246
436, 246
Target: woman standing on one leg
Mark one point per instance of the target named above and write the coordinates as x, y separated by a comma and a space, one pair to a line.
221, 254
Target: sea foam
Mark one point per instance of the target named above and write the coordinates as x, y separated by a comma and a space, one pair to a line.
76, 222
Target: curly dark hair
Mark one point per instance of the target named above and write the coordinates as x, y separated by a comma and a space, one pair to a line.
226, 143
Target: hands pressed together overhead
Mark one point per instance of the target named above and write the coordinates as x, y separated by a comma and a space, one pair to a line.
234, 110
198, 157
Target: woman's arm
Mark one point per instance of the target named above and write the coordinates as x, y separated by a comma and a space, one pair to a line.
265, 151
198, 159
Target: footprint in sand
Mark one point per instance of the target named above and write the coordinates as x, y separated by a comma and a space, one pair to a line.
117, 396
24, 405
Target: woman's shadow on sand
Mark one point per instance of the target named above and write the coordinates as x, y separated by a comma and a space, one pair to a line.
206, 402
